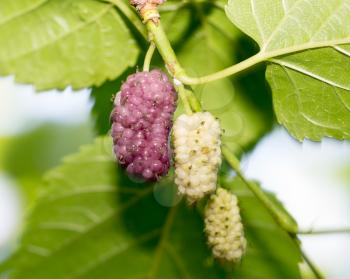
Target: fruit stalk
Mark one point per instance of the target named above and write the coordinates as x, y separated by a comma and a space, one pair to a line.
148, 57
166, 51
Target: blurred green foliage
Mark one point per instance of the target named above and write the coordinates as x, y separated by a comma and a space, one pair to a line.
95, 222
26, 157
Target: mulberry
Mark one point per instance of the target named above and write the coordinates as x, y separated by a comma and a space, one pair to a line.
223, 227
142, 119
197, 154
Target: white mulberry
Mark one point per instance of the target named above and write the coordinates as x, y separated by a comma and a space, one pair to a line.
197, 154
223, 226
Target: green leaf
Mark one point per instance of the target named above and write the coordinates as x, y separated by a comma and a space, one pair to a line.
93, 222
306, 44
103, 97
177, 23
36, 151
215, 45
57, 43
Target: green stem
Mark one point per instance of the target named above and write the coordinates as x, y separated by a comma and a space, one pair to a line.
183, 96
163, 45
160, 39
239, 67
195, 104
131, 15
312, 266
148, 57
174, 67
280, 217
324, 231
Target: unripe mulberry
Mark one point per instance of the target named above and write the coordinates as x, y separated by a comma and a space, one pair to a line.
197, 154
223, 226
142, 119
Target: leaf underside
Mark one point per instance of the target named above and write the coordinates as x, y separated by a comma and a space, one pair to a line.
57, 43
307, 46
93, 222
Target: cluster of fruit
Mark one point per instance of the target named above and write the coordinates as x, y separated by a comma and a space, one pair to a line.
142, 120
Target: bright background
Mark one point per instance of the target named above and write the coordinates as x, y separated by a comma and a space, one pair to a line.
311, 179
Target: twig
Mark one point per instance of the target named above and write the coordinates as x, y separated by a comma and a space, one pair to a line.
324, 231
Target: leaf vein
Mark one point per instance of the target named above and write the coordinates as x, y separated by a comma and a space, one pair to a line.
255, 16
61, 226
102, 220
24, 12
342, 51
177, 260
308, 73
37, 250
58, 38
91, 190
115, 251
283, 19
306, 117
325, 22
162, 242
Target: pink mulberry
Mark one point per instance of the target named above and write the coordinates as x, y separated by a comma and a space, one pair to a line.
142, 119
